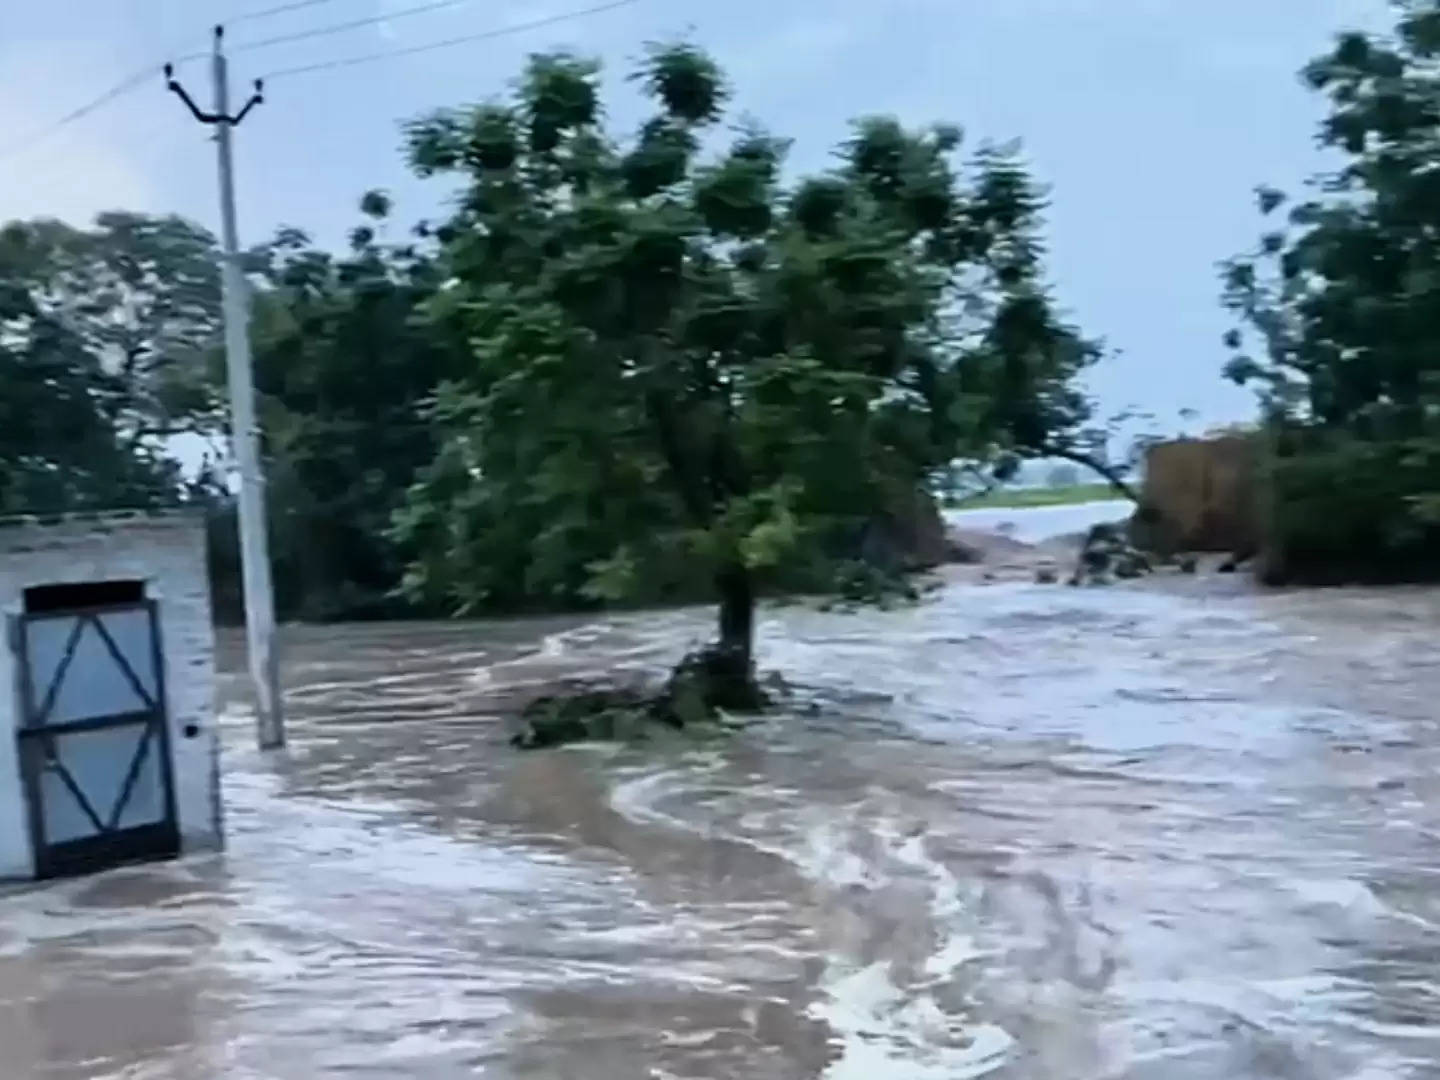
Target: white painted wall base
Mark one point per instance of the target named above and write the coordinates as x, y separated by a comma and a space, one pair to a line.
167, 553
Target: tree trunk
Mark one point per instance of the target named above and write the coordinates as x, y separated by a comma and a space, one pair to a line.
737, 618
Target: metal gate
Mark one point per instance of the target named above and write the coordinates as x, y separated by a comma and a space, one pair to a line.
94, 744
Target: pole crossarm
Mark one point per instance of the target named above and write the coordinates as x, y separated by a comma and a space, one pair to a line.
173, 85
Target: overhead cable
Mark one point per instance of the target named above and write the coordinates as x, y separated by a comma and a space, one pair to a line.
278, 9
120, 89
342, 27
138, 79
485, 35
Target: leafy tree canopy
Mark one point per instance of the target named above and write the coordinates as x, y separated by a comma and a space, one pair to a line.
1342, 299
342, 364
103, 334
680, 358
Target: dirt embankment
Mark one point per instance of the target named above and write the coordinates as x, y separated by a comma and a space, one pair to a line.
978, 555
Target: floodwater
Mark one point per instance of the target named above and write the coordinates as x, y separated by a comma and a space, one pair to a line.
1034, 524
1172, 830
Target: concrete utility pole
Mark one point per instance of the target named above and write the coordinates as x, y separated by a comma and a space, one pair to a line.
245, 431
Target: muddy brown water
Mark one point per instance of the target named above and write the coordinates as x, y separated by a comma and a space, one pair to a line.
1175, 831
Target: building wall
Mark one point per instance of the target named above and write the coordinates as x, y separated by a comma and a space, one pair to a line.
168, 554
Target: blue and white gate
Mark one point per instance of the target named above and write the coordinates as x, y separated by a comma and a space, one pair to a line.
93, 738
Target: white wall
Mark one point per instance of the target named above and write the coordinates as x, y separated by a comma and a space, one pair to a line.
168, 554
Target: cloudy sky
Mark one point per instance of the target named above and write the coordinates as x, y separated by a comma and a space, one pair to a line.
1151, 121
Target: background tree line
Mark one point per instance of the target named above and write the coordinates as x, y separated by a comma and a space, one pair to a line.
624, 369
648, 366
111, 370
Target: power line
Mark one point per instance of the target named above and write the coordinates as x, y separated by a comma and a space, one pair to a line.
125, 86
278, 9
137, 79
353, 24
120, 89
485, 35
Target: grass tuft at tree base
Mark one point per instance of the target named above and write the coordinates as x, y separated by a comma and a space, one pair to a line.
702, 690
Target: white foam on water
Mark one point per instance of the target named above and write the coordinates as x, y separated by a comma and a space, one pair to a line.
235, 715
958, 947
1393, 1069
880, 1027
567, 652
827, 858
637, 800
1353, 896
882, 1032
1428, 1032
885, 1029
1280, 1005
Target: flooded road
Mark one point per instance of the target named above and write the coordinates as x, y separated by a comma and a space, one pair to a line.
1176, 830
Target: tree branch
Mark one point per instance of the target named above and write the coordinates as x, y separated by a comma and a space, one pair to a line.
1109, 473
988, 485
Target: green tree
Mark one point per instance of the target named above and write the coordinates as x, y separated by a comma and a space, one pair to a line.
142, 294
1342, 299
342, 366
680, 363
102, 336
